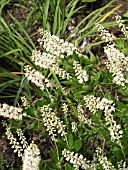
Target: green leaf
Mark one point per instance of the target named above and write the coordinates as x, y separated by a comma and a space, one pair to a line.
124, 111
29, 16
88, 0
77, 145
70, 140
41, 165
126, 149
53, 154
92, 57
86, 88
38, 126
117, 152
97, 76
125, 51
68, 82
39, 103
123, 92
108, 95
68, 167
61, 144
118, 114
22, 84
75, 56
51, 166
31, 125
125, 99
31, 111
126, 14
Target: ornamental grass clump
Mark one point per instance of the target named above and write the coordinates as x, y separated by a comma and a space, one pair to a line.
77, 106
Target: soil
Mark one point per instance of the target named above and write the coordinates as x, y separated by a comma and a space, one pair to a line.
7, 157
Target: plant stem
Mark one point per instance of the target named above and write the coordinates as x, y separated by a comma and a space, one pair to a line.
63, 92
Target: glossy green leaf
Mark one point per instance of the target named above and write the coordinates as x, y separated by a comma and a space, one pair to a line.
53, 154
88, 0
68, 167
77, 145
70, 140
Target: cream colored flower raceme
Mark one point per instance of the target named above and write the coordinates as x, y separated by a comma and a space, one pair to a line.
43, 60
81, 74
30, 154
55, 45
94, 104
53, 124
78, 161
121, 25
37, 78
105, 35
74, 126
11, 112
25, 102
122, 165
31, 157
115, 130
65, 108
83, 120
104, 161
49, 61
13, 141
22, 138
91, 102
117, 63
60, 72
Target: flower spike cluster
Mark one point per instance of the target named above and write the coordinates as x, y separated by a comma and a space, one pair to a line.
83, 120
55, 45
25, 102
94, 104
43, 60
104, 161
31, 157
117, 62
11, 112
81, 74
49, 61
60, 72
13, 141
53, 124
30, 154
22, 138
78, 161
105, 35
121, 25
37, 78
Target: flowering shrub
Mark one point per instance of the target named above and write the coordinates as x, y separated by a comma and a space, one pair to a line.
81, 106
